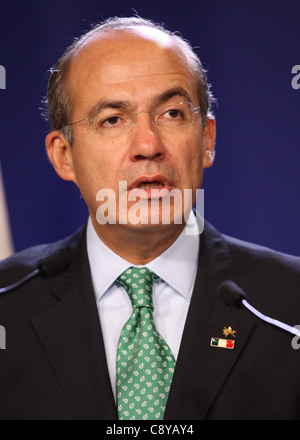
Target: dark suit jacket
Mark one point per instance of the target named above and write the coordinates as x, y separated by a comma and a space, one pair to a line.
54, 364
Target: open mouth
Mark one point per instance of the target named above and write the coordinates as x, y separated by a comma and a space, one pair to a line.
151, 185
148, 183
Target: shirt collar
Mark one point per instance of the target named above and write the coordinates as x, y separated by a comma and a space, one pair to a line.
177, 266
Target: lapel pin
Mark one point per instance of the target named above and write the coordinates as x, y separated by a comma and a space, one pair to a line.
229, 331
222, 343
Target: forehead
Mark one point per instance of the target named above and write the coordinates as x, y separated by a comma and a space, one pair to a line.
135, 61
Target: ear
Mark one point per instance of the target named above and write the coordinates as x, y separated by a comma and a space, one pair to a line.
209, 138
60, 155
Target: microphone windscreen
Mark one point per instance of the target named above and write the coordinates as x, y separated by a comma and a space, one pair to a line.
231, 294
54, 265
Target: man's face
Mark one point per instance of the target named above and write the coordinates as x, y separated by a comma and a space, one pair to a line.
135, 72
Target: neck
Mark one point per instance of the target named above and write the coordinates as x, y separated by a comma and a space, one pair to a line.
141, 245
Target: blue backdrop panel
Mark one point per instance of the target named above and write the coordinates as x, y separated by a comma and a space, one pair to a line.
249, 48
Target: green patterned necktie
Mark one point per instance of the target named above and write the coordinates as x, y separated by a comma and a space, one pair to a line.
145, 363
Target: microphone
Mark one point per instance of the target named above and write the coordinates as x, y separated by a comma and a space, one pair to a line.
46, 268
235, 297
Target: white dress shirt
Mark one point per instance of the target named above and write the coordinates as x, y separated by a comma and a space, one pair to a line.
176, 268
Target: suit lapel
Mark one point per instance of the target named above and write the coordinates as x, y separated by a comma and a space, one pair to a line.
201, 370
71, 336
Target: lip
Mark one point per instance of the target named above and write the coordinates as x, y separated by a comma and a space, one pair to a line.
148, 179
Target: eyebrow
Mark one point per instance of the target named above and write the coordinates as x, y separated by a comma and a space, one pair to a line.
168, 94
118, 104
102, 105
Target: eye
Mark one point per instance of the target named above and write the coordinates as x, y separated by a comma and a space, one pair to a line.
112, 121
173, 114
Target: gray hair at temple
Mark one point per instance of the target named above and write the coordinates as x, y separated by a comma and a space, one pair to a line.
58, 103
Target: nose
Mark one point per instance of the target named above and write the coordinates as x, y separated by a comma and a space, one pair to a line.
146, 143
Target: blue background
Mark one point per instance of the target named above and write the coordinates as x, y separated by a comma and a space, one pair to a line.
249, 48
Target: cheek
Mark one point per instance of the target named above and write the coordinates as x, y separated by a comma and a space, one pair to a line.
191, 159
91, 162
90, 173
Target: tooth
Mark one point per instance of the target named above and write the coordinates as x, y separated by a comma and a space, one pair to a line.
149, 185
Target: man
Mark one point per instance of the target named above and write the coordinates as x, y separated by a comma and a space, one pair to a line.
134, 328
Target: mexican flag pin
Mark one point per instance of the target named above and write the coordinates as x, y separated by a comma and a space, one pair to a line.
222, 343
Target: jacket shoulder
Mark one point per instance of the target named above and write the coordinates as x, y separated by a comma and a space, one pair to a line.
243, 251
271, 279
23, 262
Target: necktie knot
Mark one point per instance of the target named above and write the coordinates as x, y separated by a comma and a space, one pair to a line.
138, 284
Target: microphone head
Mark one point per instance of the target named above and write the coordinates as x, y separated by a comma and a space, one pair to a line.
53, 265
231, 294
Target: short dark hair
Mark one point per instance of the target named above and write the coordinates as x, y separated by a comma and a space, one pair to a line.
58, 101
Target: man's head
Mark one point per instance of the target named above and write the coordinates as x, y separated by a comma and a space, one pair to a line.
59, 103
122, 68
